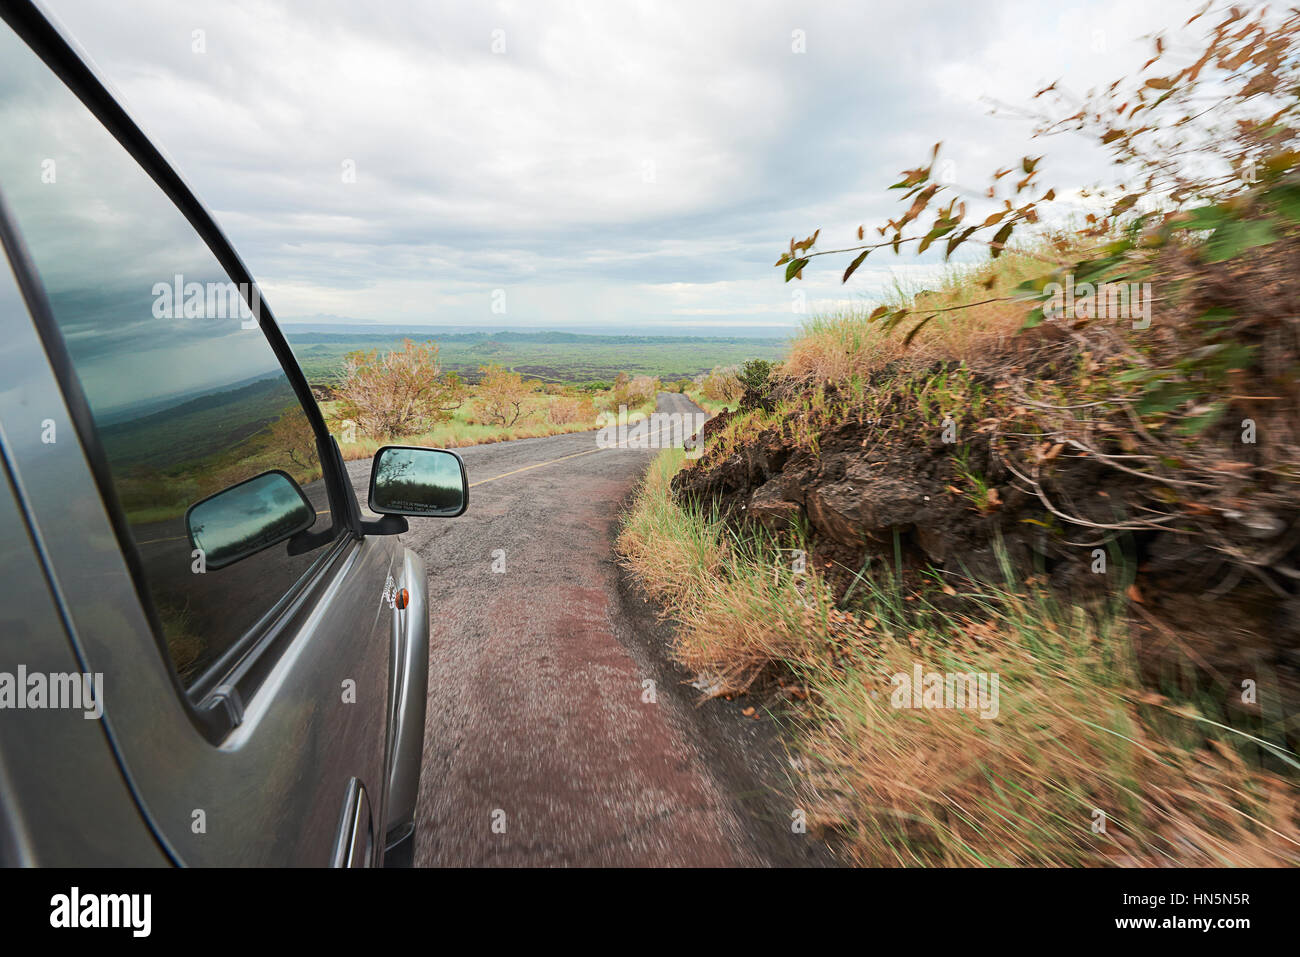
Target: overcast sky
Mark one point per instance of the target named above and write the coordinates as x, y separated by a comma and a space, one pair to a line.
611, 166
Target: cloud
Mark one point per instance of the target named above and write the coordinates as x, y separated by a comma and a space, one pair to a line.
628, 163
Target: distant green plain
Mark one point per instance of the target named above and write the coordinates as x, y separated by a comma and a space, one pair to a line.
563, 357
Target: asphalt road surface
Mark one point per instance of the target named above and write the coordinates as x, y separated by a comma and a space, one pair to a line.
539, 748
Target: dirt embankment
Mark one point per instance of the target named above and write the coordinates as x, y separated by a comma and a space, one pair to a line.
1039, 456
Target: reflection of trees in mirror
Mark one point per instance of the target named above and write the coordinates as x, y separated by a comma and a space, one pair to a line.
291, 437
423, 496
393, 469
418, 480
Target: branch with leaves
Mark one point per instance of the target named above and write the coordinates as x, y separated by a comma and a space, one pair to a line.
1221, 175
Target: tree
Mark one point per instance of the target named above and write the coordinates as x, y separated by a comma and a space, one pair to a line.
401, 393
291, 437
722, 385
567, 409
502, 394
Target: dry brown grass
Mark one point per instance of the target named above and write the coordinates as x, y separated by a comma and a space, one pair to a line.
844, 345
737, 615
544, 414
1076, 733
1076, 742
1079, 739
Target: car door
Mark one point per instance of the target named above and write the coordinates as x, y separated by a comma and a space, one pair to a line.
246, 702
39, 796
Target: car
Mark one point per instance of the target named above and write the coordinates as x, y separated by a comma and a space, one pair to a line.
210, 653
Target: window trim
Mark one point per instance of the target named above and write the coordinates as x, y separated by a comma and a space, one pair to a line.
205, 709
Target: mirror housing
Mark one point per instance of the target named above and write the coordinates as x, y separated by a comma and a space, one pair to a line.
248, 517
426, 483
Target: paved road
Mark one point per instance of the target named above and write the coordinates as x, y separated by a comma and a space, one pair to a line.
535, 718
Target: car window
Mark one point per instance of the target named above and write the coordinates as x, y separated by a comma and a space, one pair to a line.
187, 395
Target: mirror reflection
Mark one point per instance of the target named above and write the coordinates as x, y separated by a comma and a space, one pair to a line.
414, 481
246, 518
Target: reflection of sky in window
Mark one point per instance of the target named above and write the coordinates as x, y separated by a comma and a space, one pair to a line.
101, 235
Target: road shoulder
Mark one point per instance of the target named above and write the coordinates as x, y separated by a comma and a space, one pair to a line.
747, 757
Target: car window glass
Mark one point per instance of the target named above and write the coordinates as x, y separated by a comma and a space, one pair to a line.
187, 395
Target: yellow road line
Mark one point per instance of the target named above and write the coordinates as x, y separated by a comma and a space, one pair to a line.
534, 466
553, 461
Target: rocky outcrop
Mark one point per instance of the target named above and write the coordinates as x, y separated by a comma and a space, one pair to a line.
854, 496
866, 492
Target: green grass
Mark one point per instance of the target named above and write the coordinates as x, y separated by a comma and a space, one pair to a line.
464, 428
711, 406
467, 426
568, 359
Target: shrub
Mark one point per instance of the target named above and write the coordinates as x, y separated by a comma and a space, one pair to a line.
1222, 180
502, 394
722, 385
631, 391
401, 393
565, 410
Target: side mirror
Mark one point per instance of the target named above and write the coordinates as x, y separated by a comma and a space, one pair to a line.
406, 480
246, 518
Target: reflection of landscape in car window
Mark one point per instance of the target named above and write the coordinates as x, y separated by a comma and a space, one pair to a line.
185, 406
418, 480
168, 460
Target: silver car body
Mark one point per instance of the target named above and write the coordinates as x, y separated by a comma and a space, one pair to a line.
306, 752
